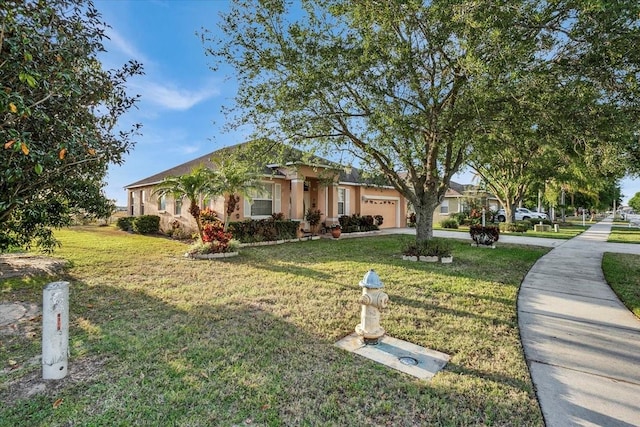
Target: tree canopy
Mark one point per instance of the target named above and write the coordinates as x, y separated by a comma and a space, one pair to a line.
408, 88
58, 115
570, 122
634, 202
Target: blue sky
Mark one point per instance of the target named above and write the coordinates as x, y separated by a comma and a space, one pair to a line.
181, 97
180, 108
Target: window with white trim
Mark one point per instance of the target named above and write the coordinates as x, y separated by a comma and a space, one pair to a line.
343, 201
264, 201
162, 203
444, 207
177, 207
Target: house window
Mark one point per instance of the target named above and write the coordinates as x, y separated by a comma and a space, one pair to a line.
341, 201
142, 199
444, 207
177, 207
262, 202
133, 202
162, 203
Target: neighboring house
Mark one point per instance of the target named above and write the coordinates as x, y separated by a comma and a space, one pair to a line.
460, 198
289, 189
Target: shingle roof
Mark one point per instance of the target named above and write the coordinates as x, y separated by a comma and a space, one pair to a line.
175, 171
292, 155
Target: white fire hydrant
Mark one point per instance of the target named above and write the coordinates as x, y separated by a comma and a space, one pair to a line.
372, 300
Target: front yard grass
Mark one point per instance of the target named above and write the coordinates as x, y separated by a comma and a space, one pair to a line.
624, 235
622, 272
157, 339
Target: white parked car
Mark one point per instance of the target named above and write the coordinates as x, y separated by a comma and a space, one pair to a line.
521, 214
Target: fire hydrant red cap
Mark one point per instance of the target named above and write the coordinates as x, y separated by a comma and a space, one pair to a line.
371, 280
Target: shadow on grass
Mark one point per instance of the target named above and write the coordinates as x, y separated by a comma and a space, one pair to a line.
137, 359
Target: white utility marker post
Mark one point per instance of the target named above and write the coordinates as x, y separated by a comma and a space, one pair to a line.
55, 330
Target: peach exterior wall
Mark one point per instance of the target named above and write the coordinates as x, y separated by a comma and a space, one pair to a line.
386, 202
317, 196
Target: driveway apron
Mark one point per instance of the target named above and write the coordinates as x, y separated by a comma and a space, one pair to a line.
580, 342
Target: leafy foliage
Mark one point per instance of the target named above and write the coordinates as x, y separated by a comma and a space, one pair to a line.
484, 235
515, 227
411, 89
313, 217
433, 247
58, 115
264, 230
634, 202
216, 237
235, 175
197, 184
449, 223
146, 224
125, 223
356, 223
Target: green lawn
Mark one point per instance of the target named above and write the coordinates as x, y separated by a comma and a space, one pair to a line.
157, 339
624, 235
622, 272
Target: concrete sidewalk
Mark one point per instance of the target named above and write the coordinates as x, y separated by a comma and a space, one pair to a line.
581, 344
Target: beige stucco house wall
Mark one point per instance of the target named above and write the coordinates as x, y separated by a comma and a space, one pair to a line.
291, 189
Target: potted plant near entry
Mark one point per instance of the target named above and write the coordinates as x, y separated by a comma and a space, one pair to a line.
313, 219
336, 230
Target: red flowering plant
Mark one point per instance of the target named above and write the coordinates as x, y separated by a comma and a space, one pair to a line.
214, 234
208, 216
214, 239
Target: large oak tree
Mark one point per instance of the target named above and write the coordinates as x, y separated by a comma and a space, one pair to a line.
570, 122
393, 83
406, 87
58, 114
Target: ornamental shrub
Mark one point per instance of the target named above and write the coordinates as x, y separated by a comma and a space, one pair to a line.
411, 219
355, 223
515, 227
432, 247
449, 223
214, 234
125, 223
146, 224
208, 216
252, 231
484, 235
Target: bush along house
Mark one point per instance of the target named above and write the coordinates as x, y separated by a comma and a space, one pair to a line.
290, 188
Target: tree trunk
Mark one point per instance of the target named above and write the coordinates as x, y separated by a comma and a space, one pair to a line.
424, 217
194, 210
232, 201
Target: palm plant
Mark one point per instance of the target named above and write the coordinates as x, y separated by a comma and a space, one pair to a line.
234, 177
195, 185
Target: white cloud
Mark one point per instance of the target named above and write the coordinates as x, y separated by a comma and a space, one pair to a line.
123, 46
190, 149
171, 97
